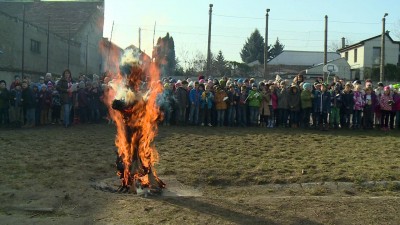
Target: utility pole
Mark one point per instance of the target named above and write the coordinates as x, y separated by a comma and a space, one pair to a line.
326, 46
266, 45
23, 40
382, 65
209, 42
109, 47
154, 32
140, 36
153, 50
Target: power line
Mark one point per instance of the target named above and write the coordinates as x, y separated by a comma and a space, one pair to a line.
298, 20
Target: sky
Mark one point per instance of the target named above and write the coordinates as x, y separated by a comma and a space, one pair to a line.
299, 25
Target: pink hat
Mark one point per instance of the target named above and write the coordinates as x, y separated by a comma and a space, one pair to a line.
386, 88
178, 84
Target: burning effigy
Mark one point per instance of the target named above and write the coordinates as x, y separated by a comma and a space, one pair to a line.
132, 106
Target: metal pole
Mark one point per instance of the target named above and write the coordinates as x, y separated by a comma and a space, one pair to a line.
209, 42
382, 65
326, 46
23, 41
48, 44
69, 37
266, 45
87, 52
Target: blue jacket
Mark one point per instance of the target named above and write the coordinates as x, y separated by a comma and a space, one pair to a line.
194, 97
322, 102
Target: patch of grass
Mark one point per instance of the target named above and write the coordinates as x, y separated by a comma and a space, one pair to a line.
215, 157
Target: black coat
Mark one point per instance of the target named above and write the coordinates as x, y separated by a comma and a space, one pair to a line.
28, 98
347, 102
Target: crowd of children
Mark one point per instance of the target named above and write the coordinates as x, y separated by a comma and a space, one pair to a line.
28, 104
211, 102
280, 103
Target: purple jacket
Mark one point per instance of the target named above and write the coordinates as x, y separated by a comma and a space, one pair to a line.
358, 100
396, 99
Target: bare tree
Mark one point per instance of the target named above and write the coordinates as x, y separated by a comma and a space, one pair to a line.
336, 45
397, 31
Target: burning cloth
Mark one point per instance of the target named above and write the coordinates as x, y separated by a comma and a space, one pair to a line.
134, 110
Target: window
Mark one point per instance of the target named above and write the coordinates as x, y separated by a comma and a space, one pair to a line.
376, 55
398, 61
355, 55
346, 55
35, 46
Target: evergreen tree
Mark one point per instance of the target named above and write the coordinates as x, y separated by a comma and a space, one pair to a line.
253, 49
220, 64
164, 54
275, 50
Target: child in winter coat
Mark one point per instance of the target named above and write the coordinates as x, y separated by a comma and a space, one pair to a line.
282, 93
273, 106
294, 105
16, 105
206, 103
378, 113
396, 106
45, 103
232, 101
242, 107
386, 103
368, 112
220, 105
322, 107
347, 106
56, 107
265, 113
306, 98
254, 100
336, 103
358, 99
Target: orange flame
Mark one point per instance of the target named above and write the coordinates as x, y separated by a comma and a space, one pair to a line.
137, 122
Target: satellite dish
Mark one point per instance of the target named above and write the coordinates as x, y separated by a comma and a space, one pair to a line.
330, 68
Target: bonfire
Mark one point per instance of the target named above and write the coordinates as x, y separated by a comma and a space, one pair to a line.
132, 105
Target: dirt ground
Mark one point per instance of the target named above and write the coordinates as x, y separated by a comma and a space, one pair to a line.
53, 175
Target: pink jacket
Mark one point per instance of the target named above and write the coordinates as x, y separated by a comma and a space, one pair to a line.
384, 102
274, 99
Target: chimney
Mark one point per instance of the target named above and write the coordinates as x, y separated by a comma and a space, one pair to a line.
343, 42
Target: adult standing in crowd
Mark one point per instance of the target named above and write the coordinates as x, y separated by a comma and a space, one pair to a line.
182, 101
4, 103
28, 104
64, 87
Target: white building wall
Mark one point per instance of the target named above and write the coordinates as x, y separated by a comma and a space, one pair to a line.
365, 55
391, 51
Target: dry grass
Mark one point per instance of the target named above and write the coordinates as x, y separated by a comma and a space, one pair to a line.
247, 176
259, 156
